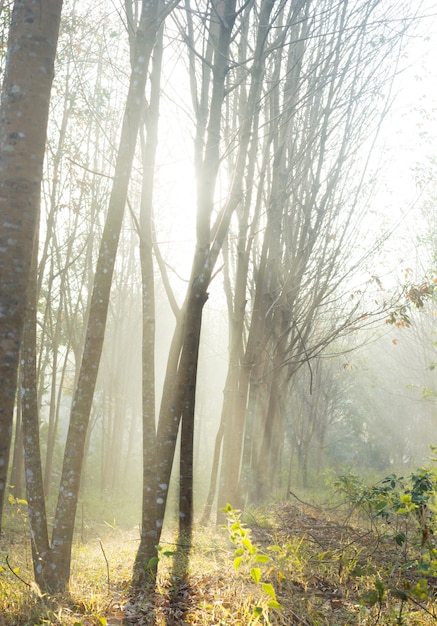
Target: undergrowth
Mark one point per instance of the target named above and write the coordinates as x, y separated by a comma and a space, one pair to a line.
371, 561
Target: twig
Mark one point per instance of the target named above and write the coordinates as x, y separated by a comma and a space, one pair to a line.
313, 506
15, 573
107, 565
88, 169
318, 507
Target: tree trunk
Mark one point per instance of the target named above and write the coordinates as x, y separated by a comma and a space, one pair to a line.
83, 396
44, 574
17, 469
188, 381
149, 532
24, 109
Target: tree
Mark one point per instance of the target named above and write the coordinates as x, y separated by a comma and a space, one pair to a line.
208, 97
149, 530
52, 562
24, 113
320, 87
285, 101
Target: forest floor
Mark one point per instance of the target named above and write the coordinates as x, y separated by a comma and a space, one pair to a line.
289, 564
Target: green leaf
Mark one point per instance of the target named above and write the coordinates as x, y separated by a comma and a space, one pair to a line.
262, 558
257, 611
153, 562
274, 548
237, 563
268, 588
255, 572
371, 597
381, 505
248, 545
399, 593
400, 538
169, 553
272, 604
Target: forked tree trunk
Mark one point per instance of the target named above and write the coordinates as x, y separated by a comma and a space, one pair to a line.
83, 396
52, 566
178, 399
179, 391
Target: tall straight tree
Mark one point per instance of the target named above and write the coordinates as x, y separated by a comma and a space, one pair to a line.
290, 258
211, 57
316, 204
149, 531
24, 110
52, 561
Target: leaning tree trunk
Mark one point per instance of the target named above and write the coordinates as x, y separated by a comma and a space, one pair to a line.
24, 110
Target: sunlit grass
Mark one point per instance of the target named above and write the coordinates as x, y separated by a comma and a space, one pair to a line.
323, 571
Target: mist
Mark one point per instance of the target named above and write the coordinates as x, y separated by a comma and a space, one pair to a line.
226, 285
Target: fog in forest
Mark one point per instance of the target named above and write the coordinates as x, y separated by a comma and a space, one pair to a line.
251, 232
367, 401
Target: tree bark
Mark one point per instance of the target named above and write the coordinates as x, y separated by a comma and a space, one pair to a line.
17, 468
24, 113
179, 390
149, 532
82, 401
45, 576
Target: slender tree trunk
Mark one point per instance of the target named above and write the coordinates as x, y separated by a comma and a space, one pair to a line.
17, 469
189, 382
149, 532
52, 422
229, 489
24, 112
82, 400
180, 385
44, 574
214, 475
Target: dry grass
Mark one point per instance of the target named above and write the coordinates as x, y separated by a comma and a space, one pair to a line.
321, 571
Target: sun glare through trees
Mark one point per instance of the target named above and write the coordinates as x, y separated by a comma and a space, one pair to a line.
218, 278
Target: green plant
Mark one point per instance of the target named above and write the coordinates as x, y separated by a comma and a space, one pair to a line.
408, 507
249, 560
18, 511
160, 552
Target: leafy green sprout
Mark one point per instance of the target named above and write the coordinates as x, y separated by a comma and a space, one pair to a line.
247, 555
152, 564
